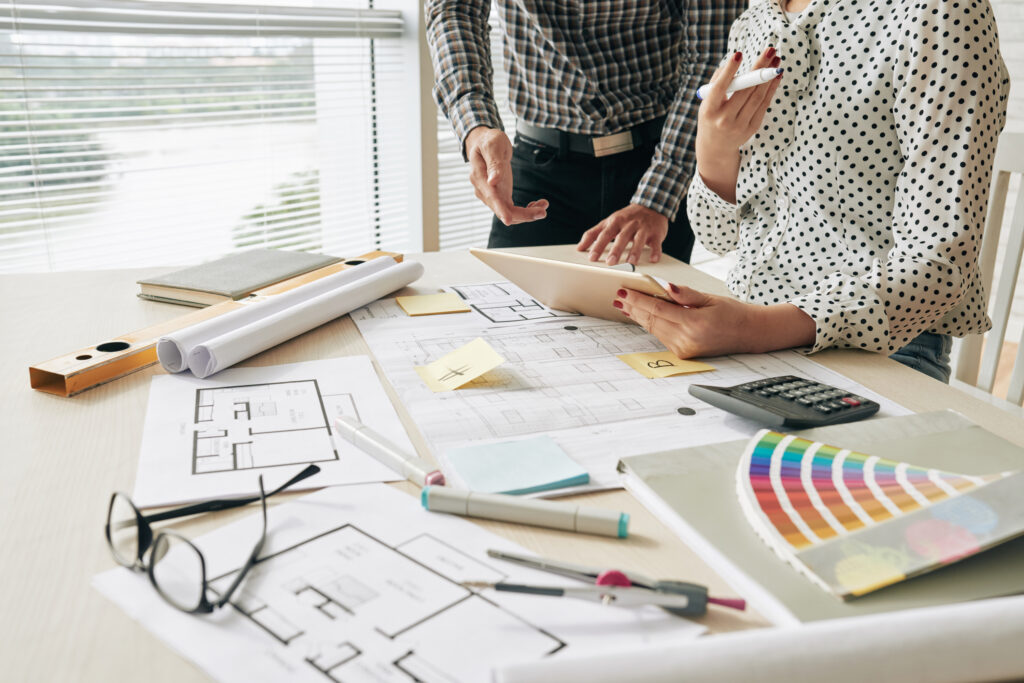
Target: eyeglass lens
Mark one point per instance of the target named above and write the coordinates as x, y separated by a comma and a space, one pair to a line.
124, 530
177, 571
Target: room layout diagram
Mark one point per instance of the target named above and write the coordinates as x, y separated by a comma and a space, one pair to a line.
503, 302
356, 608
253, 426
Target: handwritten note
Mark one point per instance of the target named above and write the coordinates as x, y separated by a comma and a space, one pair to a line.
662, 364
433, 304
461, 366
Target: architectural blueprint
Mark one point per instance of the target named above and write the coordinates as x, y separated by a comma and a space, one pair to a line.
561, 377
212, 438
361, 584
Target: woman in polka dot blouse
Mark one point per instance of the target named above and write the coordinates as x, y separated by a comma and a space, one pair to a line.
854, 187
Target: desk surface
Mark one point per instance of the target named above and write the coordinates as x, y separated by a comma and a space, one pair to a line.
64, 456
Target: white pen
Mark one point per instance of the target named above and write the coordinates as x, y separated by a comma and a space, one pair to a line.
416, 470
747, 80
547, 513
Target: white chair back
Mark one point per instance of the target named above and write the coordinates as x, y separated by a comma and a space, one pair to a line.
971, 364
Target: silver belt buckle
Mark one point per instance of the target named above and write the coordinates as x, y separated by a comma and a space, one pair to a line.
613, 144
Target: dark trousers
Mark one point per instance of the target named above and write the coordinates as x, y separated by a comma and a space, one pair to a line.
582, 190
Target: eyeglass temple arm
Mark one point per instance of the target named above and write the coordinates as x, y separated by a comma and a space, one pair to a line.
254, 555
225, 504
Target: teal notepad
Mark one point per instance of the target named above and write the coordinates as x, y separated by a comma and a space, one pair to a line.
516, 467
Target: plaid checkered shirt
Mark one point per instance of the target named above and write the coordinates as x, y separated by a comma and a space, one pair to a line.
595, 67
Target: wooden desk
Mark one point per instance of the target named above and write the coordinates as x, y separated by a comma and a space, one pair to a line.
63, 457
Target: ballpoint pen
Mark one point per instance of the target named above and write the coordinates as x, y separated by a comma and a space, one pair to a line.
678, 597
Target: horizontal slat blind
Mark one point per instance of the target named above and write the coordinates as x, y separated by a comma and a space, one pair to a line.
464, 221
152, 133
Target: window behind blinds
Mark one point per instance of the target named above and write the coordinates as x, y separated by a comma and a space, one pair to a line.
464, 221
138, 133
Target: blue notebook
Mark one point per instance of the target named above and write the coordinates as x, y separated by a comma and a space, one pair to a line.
516, 467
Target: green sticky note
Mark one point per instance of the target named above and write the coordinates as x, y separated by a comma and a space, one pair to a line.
516, 467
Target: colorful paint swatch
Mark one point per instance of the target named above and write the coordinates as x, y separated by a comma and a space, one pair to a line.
807, 492
854, 523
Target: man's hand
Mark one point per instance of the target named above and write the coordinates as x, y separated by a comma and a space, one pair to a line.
490, 160
695, 324
636, 225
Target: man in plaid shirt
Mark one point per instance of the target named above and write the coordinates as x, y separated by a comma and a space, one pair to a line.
604, 93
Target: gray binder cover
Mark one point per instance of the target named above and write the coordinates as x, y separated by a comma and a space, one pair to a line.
694, 492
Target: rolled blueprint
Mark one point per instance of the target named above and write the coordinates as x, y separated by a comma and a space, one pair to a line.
279, 317
972, 641
173, 350
223, 351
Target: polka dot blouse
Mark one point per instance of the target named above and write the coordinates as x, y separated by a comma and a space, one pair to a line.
862, 198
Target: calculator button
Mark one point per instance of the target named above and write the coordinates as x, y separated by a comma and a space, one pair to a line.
823, 408
804, 401
850, 401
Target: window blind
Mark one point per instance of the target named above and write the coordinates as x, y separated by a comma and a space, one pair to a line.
138, 133
463, 220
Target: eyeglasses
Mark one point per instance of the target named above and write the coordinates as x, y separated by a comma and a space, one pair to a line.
176, 568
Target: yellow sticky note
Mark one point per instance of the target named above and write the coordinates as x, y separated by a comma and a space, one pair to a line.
461, 366
662, 364
433, 304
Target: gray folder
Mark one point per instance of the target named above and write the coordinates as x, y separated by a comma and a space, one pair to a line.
693, 490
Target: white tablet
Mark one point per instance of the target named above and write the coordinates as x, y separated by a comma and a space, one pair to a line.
574, 287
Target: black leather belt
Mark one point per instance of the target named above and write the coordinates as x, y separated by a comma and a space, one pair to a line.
595, 145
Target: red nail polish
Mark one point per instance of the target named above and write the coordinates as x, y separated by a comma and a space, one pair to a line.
621, 294
776, 61
738, 57
675, 290
770, 53
626, 314
617, 304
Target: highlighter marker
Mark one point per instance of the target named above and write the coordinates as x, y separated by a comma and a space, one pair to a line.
744, 81
416, 470
546, 513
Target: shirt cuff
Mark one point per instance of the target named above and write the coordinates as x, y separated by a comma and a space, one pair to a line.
472, 112
710, 196
662, 188
843, 316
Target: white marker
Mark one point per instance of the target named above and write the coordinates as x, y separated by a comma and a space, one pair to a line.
416, 470
547, 513
747, 80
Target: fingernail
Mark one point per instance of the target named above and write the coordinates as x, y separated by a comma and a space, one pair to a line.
770, 53
777, 61
617, 304
621, 294
738, 57
675, 290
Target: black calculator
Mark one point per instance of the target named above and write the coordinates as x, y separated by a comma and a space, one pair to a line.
788, 401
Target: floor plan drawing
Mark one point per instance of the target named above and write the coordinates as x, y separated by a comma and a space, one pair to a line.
360, 584
213, 438
563, 377
358, 608
244, 427
503, 302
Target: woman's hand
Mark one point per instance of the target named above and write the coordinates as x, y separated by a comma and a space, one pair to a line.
724, 123
702, 325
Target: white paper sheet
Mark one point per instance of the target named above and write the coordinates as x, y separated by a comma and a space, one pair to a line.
973, 641
561, 377
362, 584
211, 438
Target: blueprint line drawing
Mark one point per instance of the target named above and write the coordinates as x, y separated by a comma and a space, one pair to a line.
244, 426
210, 438
343, 598
503, 303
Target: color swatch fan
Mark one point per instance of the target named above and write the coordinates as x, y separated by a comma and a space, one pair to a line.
854, 523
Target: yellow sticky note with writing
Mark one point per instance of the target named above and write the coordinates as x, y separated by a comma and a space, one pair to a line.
433, 304
662, 364
461, 366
